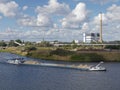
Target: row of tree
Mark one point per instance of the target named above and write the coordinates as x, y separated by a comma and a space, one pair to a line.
10, 43
27, 43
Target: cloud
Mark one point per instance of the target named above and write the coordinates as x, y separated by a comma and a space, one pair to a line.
25, 8
113, 13
53, 7
8, 9
26, 20
85, 27
49, 17
111, 22
103, 1
76, 17
45, 14
97, 18
2, 1
39, 21
0, 17
37, 34
44, 21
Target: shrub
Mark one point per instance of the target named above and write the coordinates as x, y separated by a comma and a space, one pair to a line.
61, 52
30, 48
87, 57
113, 47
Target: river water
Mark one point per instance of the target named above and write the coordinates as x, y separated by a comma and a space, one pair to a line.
14, 77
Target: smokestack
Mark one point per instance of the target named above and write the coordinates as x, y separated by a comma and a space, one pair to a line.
101, 41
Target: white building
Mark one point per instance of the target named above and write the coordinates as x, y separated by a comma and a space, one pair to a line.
77, 41
91, 37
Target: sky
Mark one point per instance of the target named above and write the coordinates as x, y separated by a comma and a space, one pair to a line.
62, 20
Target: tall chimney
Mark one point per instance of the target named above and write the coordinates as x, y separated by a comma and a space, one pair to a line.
101, 41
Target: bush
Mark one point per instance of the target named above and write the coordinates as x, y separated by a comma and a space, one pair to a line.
30, 48
3, 44
113, 47
87, 57
61, 52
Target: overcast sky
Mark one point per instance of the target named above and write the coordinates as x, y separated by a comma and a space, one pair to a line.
63, 20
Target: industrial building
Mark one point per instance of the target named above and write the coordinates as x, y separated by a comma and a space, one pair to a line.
94, 37
91, 37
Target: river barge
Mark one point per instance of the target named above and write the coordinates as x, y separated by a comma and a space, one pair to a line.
36, 63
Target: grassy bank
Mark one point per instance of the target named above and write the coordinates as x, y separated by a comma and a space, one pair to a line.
66, 55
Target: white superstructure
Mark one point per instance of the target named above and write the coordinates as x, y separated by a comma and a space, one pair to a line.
97, 68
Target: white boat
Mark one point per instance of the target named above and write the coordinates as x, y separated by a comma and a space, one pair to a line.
15, 61
97, 68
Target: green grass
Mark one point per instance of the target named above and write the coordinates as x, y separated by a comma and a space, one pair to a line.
87, 57
50, 53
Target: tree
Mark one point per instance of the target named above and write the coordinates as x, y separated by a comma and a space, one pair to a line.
3, 44
73, 42
18, 40
11, 43
45, 44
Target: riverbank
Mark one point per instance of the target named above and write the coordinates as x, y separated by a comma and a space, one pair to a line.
67, 55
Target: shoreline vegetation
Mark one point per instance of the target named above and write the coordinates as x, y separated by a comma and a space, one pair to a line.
66, 53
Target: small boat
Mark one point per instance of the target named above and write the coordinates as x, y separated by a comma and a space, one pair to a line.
97, 67
15, 61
